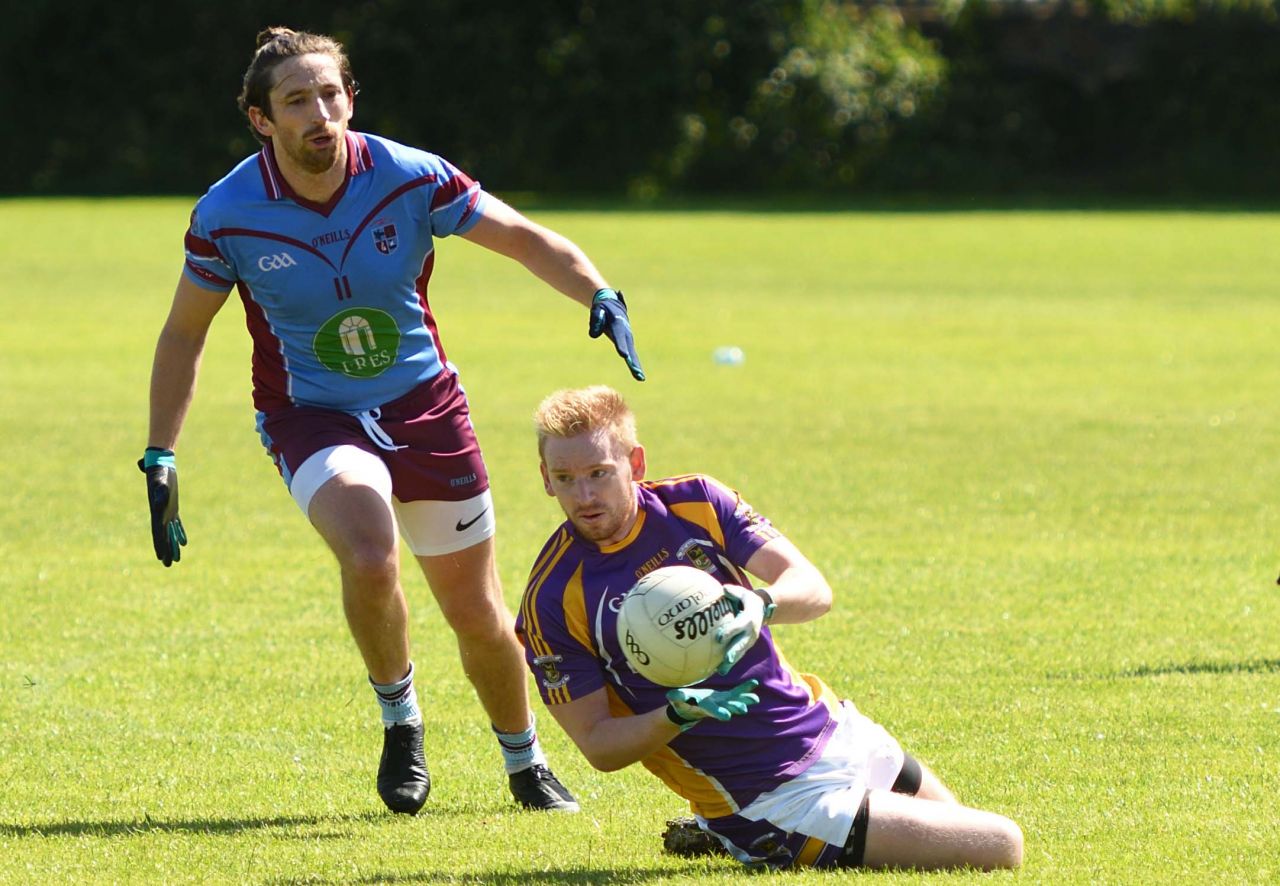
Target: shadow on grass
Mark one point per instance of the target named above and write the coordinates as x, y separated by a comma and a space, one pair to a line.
148, 825
502, 878
1189, 668
1252, 666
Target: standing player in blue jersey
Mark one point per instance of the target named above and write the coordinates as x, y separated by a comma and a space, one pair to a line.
772, 762
328, 236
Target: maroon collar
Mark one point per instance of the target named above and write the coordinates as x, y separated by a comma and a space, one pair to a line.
359, 159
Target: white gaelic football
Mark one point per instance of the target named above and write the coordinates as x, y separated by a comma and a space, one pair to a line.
667, 625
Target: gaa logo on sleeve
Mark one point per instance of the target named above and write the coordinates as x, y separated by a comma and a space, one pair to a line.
358, 342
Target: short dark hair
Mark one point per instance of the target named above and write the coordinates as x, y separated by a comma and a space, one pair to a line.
279, 44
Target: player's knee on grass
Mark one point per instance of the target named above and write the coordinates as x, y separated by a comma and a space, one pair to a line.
908, 782
929, 836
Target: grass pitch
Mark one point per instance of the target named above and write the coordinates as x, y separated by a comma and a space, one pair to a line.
1034, 451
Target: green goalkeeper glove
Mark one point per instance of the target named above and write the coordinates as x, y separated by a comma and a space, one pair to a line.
688, 707
167, 534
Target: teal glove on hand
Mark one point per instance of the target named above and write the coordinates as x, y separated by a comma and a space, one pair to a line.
609, 316
167, 534
688, 707
753, 607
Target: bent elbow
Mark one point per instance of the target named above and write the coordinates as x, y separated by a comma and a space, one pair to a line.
825, 600
822, 595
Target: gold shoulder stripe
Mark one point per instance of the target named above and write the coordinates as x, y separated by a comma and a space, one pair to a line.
529, 606
548, 553
670, 481
729, 491
575, 609
703, 514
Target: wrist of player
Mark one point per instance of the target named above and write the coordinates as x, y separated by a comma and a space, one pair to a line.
766, 600
682, 721
156, 456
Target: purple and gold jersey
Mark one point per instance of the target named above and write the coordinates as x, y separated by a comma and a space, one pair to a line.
335, 294
568, 623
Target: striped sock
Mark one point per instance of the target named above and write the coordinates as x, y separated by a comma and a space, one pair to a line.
399, 701
520, 750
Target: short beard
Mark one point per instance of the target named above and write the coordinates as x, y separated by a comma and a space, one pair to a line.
313, 162
597, 533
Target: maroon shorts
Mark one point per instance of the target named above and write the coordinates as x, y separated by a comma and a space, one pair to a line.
441, 460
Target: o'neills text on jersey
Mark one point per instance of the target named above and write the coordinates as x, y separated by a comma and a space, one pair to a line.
331, 237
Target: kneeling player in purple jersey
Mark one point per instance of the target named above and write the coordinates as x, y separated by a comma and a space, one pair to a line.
328, 236
772, 762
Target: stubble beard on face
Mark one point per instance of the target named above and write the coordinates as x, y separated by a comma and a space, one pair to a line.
604, 528
598, 531
312, 160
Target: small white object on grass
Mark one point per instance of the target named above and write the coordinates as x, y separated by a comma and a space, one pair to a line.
729, 355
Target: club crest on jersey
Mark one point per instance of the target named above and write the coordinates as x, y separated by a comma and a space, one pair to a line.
692, 551
384, 236
552, 677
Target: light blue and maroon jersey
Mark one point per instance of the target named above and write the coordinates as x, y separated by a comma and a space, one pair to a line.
568, 623
335, 295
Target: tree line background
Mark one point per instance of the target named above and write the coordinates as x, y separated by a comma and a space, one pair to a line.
1147, 98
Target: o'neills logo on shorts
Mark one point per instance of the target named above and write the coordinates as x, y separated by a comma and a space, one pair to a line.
358, 342
463, 481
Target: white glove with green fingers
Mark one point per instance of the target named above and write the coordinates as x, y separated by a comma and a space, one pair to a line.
754, 607
687, 707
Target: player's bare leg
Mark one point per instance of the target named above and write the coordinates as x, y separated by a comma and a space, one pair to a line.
359, 526
466, 586
910, 832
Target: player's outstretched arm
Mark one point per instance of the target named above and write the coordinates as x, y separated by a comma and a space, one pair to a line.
559, 262
610, 743
553, 258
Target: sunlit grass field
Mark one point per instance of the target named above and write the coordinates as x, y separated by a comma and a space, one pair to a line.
1035, 451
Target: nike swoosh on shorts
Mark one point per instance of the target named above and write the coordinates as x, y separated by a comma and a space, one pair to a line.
462, 527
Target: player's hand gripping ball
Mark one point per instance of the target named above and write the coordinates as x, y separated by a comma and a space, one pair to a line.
668, 622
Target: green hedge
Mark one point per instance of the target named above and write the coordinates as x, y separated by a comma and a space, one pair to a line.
1148, 98
667, 96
